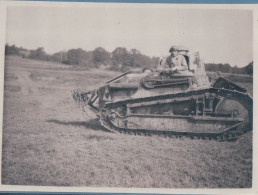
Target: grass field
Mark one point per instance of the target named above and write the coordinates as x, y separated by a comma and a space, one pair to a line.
48, 142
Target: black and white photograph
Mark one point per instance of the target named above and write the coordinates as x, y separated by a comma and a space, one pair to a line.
128, 96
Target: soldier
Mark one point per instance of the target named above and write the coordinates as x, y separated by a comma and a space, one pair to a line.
174, 62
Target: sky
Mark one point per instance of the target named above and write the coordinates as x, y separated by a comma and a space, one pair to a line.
221, 36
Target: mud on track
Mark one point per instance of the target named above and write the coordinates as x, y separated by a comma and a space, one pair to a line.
47, 140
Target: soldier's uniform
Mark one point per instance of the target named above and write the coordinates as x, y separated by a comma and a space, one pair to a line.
177, 62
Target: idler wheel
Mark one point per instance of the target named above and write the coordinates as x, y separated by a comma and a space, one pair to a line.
234, 107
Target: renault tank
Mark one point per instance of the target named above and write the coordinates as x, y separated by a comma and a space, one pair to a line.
171, 103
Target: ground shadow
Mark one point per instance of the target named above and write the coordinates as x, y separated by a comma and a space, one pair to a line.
91, 124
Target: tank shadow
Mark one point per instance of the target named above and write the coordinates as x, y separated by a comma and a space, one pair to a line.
91, 124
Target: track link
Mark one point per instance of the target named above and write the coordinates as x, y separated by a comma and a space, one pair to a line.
230, 135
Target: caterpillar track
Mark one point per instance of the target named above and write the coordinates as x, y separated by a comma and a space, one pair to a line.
233, 128
171, 104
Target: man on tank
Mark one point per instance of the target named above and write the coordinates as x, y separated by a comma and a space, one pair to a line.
175, 61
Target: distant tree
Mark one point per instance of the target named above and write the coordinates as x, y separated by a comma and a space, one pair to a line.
121, 57
60, 57
249, 68
155, 60
76, 56
140, 60
211, 67
11, 50
234, 69
218, 67
134, 51
132, 59
39, 54
227, 68
101, 56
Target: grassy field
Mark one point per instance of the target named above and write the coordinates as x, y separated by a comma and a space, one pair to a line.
48, 142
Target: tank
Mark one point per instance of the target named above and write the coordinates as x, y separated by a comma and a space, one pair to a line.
171, 103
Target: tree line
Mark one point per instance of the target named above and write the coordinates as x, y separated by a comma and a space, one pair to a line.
119, 60
226, 68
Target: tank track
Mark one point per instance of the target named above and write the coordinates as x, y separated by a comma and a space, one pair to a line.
229, 134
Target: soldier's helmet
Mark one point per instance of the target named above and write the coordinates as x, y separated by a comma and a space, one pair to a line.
172, 48
182, 48
178, 48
